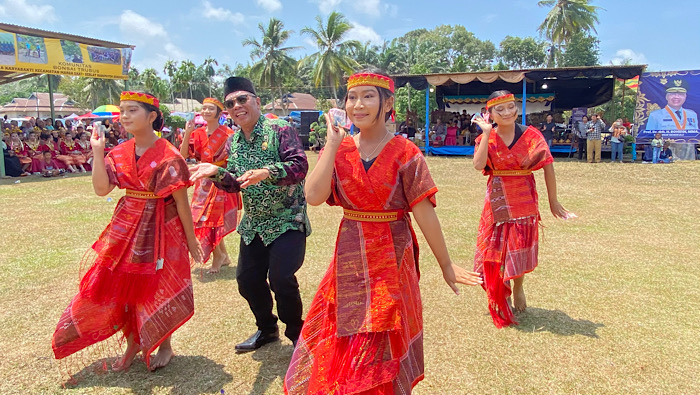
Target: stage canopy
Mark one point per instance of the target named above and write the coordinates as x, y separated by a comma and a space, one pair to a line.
555, 89
571, 86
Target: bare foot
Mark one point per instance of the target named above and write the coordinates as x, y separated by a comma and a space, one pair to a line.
227, 261
215, 265
125, 361
163, 356
519, 301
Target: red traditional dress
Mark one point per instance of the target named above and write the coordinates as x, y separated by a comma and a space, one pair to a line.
139, 281
86, 149
364, 329
50, 145
506, 244
214, 212
21, 152
71, 150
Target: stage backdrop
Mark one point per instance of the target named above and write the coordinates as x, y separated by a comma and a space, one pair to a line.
32, 54
655, 114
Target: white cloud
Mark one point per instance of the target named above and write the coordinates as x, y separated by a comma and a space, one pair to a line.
20, 11
138, 26
153, 44
375, 8
327, 6
627, 54
270, 5
363, 34
222, 14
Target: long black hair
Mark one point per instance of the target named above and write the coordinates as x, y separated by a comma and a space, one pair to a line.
384, 94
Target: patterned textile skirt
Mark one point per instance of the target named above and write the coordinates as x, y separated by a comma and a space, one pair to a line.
388, 362
148, 306
215, 215
503, 252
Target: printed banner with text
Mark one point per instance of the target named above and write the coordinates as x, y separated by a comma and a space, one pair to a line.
668, 103
31, 54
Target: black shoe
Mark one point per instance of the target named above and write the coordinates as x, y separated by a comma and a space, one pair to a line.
256, 341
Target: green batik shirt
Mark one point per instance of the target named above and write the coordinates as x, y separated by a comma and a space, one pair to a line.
277, 204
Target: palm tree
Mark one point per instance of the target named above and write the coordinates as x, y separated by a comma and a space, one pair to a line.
273, 59
102, 91
332, 59
566, 18
209, 70
185, 76
170, 69
149, 78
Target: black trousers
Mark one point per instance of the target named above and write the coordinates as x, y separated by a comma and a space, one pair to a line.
277, 262
581, 149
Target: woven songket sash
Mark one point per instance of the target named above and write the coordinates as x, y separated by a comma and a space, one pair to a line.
373, 216
507, 173
141, 194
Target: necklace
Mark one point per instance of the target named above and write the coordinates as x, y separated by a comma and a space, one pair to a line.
367, 158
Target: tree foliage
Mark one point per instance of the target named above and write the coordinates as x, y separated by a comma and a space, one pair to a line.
521, 53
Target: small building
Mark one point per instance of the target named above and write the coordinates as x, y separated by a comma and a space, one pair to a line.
38, 105
295, 102
184, 105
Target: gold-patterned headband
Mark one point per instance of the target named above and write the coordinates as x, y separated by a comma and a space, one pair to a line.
214, 102
138, 96
371, 79
499, 100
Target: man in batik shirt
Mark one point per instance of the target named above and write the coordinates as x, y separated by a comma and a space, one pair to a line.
268, 165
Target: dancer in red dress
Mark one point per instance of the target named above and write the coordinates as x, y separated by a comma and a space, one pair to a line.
364, 330
139, 280
506, 246
214, 211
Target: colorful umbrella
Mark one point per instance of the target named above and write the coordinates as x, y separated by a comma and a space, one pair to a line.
270, 115
88, 115
106, 110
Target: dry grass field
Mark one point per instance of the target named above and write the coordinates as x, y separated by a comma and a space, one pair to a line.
613, 306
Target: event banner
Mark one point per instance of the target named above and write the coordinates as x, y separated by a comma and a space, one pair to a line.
668, 103
31, 54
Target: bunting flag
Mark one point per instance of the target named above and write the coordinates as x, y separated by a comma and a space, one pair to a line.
632, 83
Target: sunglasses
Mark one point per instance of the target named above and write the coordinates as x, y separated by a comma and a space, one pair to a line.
242, 99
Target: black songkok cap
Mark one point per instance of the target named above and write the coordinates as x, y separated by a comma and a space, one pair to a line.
235, 84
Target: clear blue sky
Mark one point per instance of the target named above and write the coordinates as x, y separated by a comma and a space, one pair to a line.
663, 35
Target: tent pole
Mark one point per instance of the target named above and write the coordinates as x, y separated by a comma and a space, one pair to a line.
53, 113
427, 118
524, 100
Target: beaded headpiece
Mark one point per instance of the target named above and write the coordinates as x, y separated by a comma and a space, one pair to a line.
214, 102
499, 100
138, 96
371, 79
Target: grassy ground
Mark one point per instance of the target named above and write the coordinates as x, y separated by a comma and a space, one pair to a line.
613, 306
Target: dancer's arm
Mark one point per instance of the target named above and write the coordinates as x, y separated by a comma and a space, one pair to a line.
185, 146
427, 220
318, 184
551, 181
185, 214
100, 179
481, 152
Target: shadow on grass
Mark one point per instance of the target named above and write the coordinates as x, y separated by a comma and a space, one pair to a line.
185, 374
226, 273
275, 361
555, 321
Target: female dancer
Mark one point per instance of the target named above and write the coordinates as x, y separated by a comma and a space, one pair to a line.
363, 332
215, 212
71, 149
506, 246
20, 150
139, 281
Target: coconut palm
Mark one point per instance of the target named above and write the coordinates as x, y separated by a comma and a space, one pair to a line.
170, 69
566, 18
332, 58
273, 59
209, 70
184, 77
102, 91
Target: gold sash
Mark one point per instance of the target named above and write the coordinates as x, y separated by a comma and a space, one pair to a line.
372, 216
141, 194
511, 172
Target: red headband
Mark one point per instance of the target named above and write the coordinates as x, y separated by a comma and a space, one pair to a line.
499, 100
371, 79
214, 102
142, 97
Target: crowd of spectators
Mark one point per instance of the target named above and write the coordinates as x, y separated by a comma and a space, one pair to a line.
44, 147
